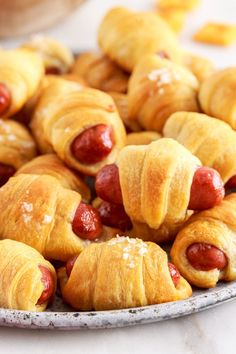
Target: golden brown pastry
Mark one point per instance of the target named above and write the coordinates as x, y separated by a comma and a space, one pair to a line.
121, 101
156, 181
81, 125
204, 250
210, 139
27, 280
142, 138
121, 273
38, 211
51, 165
21, 72
127, 36
217, 96
100, 72
201, 67
17, 147
56, 57
158, 88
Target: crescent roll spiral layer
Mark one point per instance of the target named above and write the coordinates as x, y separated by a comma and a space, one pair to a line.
158, 88
121, 273
57, 58
51, 165
156, 181
16, 144
64, 111
20, 276
215, 227
201, 67
100, 72
217, 96
38, 211
210, 139
21, 72
126, 36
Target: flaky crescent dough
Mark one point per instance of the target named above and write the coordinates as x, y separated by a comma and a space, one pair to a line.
16, 144
127, 36
21, 71
121, 273
51, 165
217, 96
201, 67
65, 109
38, 211
20, 276
217, 227
156, 181
158, 88
210, 139
100, 72
53, 53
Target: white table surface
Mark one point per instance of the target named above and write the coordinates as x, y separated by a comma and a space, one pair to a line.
209, 332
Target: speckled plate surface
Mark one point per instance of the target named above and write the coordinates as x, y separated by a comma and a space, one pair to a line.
61, 317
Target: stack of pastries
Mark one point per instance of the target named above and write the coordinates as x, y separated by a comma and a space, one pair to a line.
105, 157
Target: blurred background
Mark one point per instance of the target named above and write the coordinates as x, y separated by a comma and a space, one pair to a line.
75, 22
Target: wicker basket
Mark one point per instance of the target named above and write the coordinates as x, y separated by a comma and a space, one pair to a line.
18, 17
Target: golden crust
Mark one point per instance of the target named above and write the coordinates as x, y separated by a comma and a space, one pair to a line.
121, 273
126, 36
121, 101
53, 53
155, 182
158, 88
100, 72
64, 110
217, 96
21, 71
16, 144
217, 227
216, 33
38, 211
20, 276
203, 136
142, 138
201, 67
51, 165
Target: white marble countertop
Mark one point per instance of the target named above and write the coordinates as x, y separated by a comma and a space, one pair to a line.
207, 332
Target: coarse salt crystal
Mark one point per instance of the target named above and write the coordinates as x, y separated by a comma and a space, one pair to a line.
28, 207
26, 218
47, 219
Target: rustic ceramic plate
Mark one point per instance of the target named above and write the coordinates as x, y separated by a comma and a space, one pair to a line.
61, 317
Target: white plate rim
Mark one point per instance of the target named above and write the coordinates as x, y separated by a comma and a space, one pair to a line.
118, 318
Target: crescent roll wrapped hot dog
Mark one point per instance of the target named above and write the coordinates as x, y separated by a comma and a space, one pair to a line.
158, 183
16, 148
158, 88
204, 250
27, 280
21, 72
127, 36
38, 211
81, 125
51, 165
56, 57
217, 96
100, 72
121, 273
210, 139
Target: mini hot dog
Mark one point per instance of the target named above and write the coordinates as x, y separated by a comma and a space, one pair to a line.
204, 250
